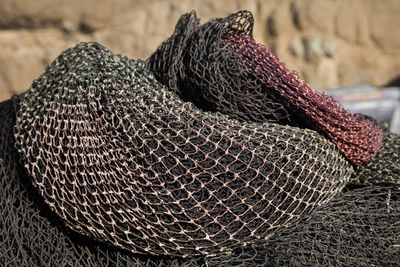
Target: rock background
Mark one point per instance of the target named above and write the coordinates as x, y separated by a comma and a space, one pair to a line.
330, 43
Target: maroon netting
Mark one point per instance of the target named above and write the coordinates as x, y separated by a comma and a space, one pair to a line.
359, 137
122, 159
220, 67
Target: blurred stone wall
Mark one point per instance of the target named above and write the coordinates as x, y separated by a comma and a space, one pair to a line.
329, 42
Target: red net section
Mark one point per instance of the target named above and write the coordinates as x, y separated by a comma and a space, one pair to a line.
359, 137
122, 159
221, 68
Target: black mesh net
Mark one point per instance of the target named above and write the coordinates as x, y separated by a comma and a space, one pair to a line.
195, 63
122, 159
386, 164
359, 228
31, 235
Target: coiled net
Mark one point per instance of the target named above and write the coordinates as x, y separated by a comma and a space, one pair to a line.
123, 160
219, 66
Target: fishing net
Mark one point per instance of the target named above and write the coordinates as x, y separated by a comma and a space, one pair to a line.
31, 235
385, 166
122, 159
359, 228
359, 137
217, 85
220, 67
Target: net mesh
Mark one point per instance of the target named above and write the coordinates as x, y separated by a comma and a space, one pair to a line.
221, 67
123, 160
359, 137
385, 166
31, 235
218, 80
359, 228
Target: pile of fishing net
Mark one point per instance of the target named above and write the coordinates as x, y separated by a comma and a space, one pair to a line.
123, 159
103, 165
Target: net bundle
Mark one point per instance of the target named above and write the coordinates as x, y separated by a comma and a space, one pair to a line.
359, 228
223, 68
32, 235
122, 159
216, 84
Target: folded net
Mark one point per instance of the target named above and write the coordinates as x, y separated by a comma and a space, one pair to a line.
220, 67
